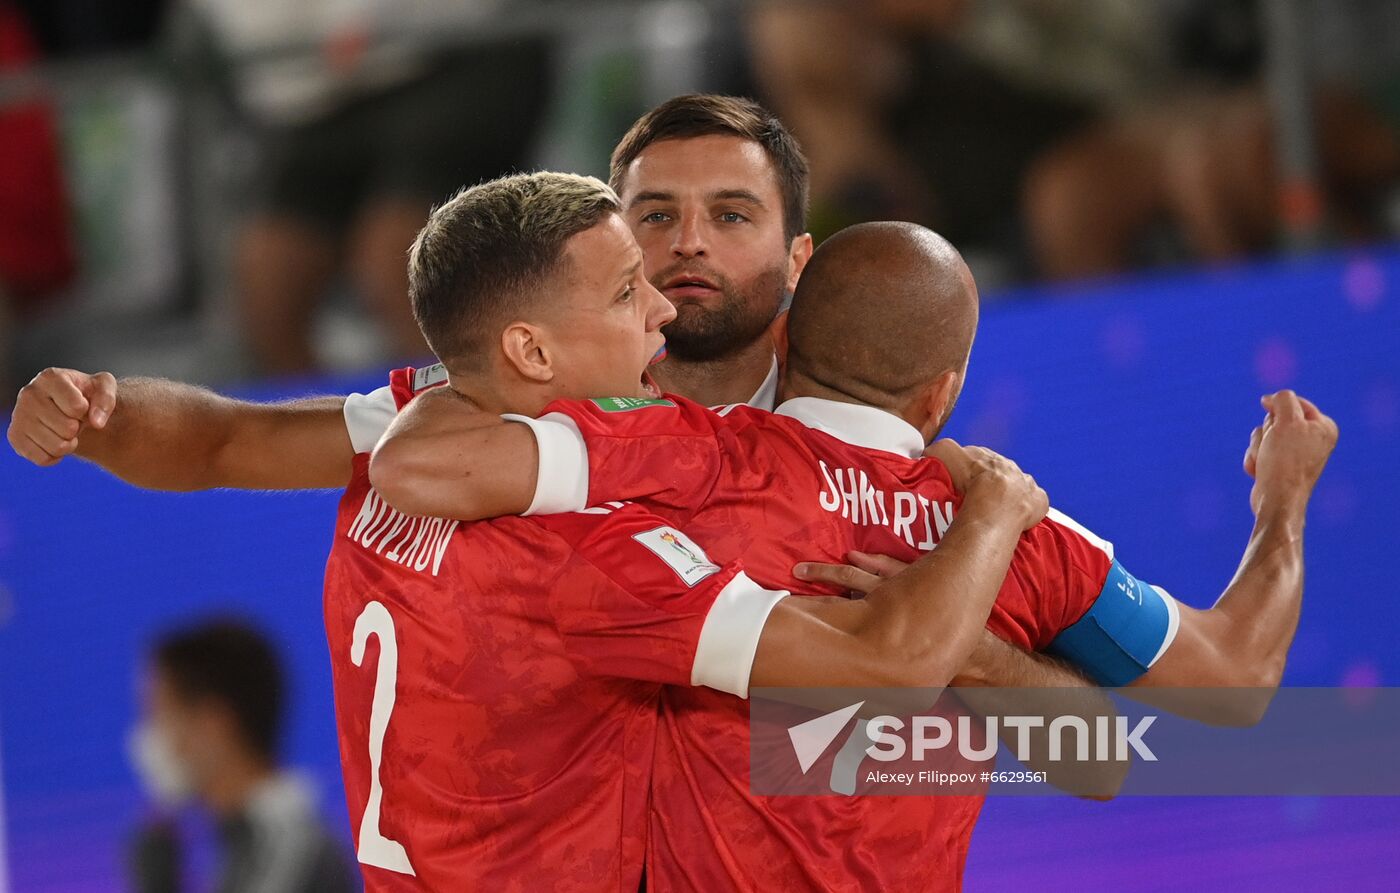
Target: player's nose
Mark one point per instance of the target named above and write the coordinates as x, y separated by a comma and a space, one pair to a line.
660, 311
689, 239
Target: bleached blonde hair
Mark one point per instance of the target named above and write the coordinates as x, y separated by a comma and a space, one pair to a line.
490, 249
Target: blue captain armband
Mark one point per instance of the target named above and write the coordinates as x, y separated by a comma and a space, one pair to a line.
1127, 629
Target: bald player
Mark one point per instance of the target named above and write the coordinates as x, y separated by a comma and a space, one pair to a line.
886, 318
837, 469
1244, 639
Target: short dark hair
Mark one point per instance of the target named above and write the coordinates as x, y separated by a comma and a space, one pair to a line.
709, 114
232, 663
492, 248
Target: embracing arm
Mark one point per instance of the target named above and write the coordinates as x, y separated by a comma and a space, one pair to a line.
916, 628
170, 436
999, 679
444, 458
993, 662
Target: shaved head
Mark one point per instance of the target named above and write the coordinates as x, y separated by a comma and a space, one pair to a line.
881, 311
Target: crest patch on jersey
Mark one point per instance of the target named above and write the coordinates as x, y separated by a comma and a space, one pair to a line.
429, 376
680, 552
627, 404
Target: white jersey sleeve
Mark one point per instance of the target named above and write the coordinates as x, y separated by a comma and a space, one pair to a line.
368, 416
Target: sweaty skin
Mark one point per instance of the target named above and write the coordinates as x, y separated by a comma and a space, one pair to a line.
1240, 645
424, 465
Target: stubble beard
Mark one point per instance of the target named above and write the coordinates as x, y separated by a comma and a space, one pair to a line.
701, 334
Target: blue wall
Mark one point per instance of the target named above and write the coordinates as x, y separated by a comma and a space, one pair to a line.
1132, 403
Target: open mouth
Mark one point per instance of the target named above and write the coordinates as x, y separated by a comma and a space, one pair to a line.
688, 285
649, 386
648, 383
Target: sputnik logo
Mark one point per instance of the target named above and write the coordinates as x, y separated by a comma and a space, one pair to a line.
811, 738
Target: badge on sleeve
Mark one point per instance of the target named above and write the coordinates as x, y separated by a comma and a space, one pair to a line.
680, 553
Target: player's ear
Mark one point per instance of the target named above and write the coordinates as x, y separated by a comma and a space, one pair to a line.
526, 352
777, 330
799, 252
939, 397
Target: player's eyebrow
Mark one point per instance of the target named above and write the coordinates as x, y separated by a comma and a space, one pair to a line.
631, 271
719, 195
652, 196
736, 195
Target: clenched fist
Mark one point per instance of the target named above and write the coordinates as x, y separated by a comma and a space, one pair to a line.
54, 409
1287, 453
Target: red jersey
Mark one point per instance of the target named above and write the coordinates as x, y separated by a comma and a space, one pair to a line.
777, 488
496, 685
37, 256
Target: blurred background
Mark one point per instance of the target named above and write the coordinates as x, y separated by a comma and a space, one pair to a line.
220, 189
1171, 206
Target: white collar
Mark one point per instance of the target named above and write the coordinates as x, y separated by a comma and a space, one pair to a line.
862, 426
766, 397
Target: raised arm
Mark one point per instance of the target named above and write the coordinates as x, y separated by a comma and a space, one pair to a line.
1243, 641
170, 436
1220, 665
917, 628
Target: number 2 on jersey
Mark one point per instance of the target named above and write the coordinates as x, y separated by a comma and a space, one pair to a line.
374, 848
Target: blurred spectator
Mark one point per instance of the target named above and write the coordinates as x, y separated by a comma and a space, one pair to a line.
36, 249
82, 27
1203, 161
212, 713
933, 109
366, 120
1082, 135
